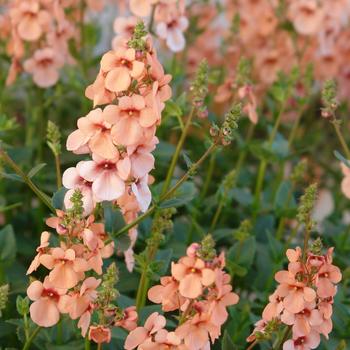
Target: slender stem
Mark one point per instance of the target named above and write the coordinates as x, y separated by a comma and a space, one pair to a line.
59, 332
8, 160
170, 192
26, 326
251, 346
282, 222
87, 345
58, 171
280, 342
99, 346
308, 227
31, 338
341, 138
243, 153
209, 175
186, 312
217, 215
177, 152
10, 207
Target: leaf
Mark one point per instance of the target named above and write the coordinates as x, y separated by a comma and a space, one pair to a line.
8, 247
243, 196
227, 343
13, 177
243, 253
340, 157
173, 109
187, 159
283, 195
164, 256
58, 198
122, 242
114, 220
183, 195
36, 169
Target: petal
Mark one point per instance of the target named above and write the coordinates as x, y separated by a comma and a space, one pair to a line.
118, 79
108, 186
44, 312
191, 286
208, 277
35, 290
135, 337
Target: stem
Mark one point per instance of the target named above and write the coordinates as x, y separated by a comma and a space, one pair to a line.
251, 346
59, 332
58, 171
186, 312
31, 338
263, 164
8, 160
244, 152
177, 152
306, 238
279, 343
217, 215
209, 176
26, 326
341, 138
169, 193
282, 222
99, 346
87, 345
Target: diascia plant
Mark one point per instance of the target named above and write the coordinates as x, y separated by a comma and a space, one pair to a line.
170, 195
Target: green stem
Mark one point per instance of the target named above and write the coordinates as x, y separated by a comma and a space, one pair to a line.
26, 326
282, 222
279, 342
209, 175
169, 193
308, 227
87, 345
31, 338
251, 346
217, 215
341, 138
177, 152
99, 346
58, 171
8, 160
244, 152
59, 332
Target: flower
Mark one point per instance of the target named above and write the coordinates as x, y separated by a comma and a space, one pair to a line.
67, 268
141, 8
129, 319
44, 66
140, 335
100, 334
45, 310
192, 275
311, 341
44, 243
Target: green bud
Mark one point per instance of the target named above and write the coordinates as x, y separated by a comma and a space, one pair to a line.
199, 87
307, 202
77, 201
342, 345
137, 40
243, 71
231, 123
243, 231
329, 99
207, 250
316, 246
4, 295
22, 305
299, 171
53, 137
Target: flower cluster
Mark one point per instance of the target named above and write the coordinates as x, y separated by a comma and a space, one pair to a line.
200, 290
303, 300
168, 16
274, 36
120, 137
39, 32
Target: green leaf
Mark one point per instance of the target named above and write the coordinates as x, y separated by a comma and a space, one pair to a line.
122, 242
13, 177
58, 198
173, 109
184, 194
114, 220
227, 343
8, 247
243, 196
283, 195
164, 256
340, 157
243, 253
36, 169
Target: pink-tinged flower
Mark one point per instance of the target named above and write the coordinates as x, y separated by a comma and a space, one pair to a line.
304, 321
225, 91
172, 32
100, 334
77, 303
312, 341
328, 275
167, 294
192, 250
44, 66
220, 298
30, 19
129, 319
195, 332
259, 328
56, 222
296, 294
104, 176
246, 94
306, 16
142, 193
274, 308
45, 310
121, 67
72, 180
44, 243
193, 276
94, 131
124, 28
67, 269
139, 335
163, 340
131, 117
345, 184
141, 8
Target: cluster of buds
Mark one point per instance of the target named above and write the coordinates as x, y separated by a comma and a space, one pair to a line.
303, 300
199, 89
121, 137
329, 100
200, 291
